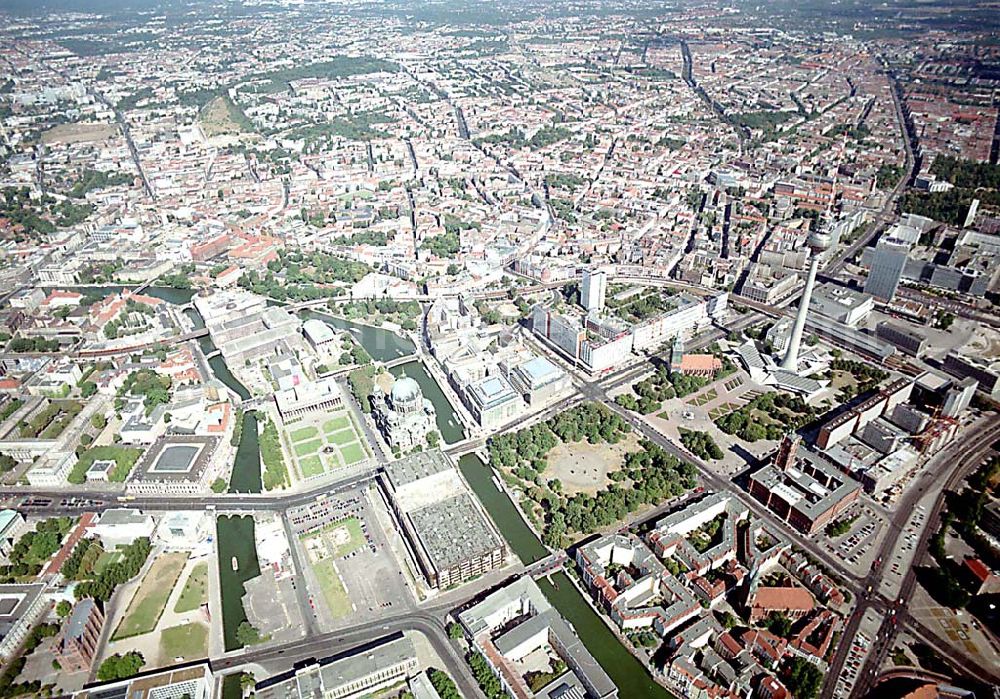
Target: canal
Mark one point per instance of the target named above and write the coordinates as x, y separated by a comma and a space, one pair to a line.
231, 687
519, 536
222, 373
448, 423
630, 676
235, 540
178, 297
246, 476
625, 670
383, 345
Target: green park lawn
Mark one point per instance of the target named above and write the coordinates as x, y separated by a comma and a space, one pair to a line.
195, 592
342, 437
304, 433
147, 605
311, 465
307, 448
352, 453
187, 641
332, 587
106, 559
337, 423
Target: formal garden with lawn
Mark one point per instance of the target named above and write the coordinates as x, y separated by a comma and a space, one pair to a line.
325, 442
648, 395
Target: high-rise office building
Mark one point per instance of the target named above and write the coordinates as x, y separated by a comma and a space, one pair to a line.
886, 270
593, 290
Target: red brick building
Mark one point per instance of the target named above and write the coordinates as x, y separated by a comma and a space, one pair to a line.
76, 645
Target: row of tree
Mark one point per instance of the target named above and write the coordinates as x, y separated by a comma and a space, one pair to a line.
787, 413
81, 561
117, 666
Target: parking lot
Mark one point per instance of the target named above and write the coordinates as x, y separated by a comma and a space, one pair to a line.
899, 564
351, 572
857, 547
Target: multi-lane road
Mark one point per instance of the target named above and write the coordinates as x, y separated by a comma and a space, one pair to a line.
888, 213
429, 622
943, 473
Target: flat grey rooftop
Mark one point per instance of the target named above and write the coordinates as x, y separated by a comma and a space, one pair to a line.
417, 466
454, 530
176, 458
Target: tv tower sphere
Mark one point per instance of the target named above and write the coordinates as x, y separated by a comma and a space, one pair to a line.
819, 242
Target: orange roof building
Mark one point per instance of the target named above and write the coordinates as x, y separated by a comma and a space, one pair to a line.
700, 365
793, 602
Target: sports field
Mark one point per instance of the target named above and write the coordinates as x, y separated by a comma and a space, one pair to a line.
147, 605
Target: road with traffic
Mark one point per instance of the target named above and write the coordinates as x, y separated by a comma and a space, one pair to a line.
963, 456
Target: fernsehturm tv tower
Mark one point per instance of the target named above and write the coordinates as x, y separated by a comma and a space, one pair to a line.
818, 243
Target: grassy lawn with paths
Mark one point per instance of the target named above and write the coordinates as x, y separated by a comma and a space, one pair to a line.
195, 592
337, 423
303, 433
307, 448
147, 605
352, 453
187, 641
311, 465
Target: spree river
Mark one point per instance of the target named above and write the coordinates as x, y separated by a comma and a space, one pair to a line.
631, 677
175, 296
383, 345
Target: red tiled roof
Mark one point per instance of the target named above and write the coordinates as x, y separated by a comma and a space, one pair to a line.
977, 568
797, 598
55, 565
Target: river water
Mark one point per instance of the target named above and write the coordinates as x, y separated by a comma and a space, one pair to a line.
177, 297
383, 345
246, 476
631, 677
235, 544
